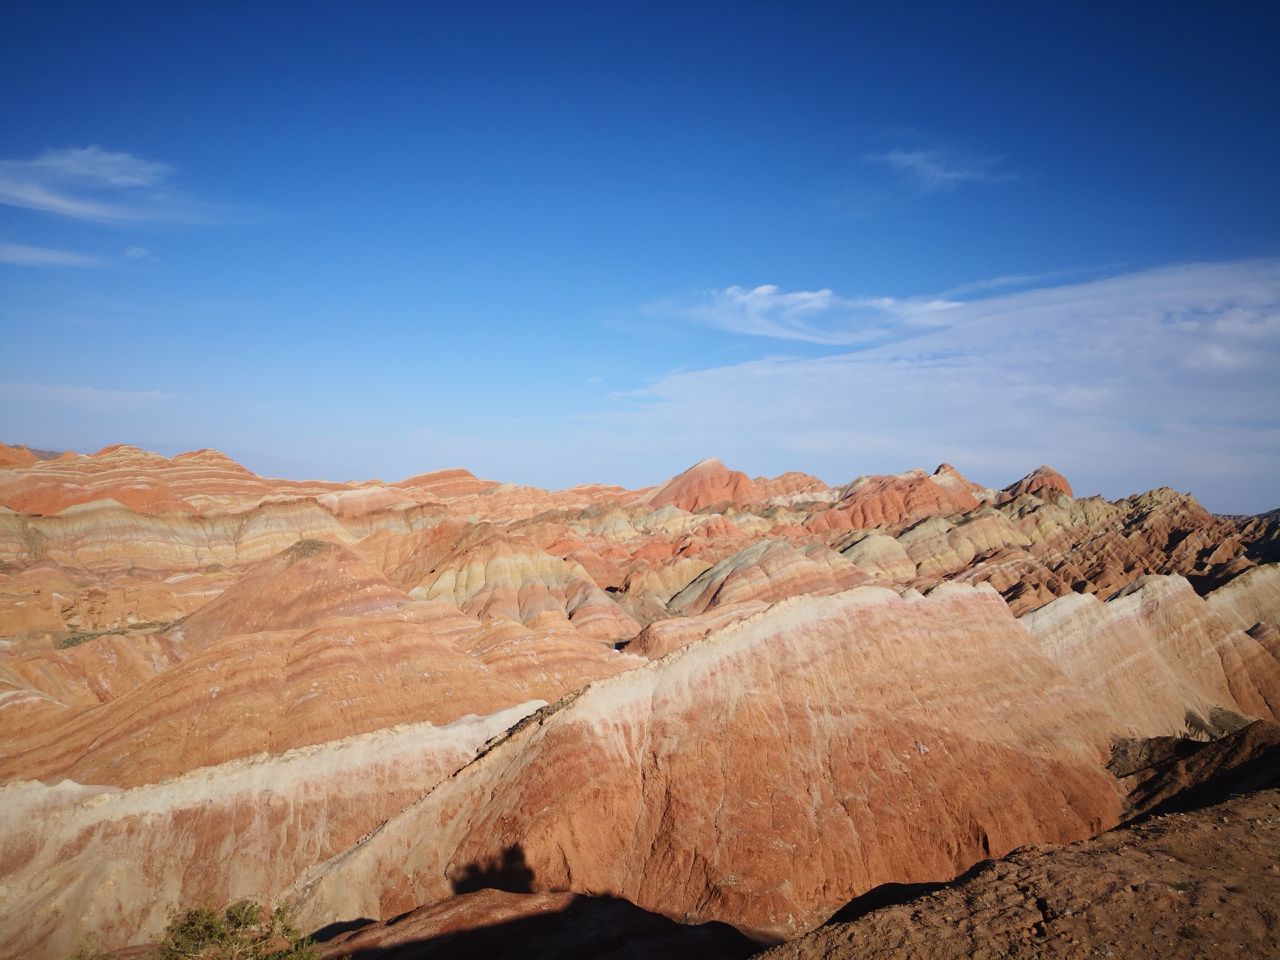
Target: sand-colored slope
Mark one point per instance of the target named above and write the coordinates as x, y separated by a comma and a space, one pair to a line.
502, 576
190, 482
309, 646
767, 570
1154, 654
1251, 601
77, 860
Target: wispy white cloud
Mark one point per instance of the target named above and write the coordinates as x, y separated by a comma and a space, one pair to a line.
1013, 280
811, 316
137, 253
932, 170
90, 183
23, 255
18, 192
1165, 376
94, 165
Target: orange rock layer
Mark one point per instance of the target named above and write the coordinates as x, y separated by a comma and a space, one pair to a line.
766, 695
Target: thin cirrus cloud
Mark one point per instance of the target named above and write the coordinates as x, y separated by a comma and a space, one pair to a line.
811, 316
937, 170
103, 186
1125, 382
24, 255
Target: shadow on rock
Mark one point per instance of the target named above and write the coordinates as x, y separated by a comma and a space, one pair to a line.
510, 872
495, 914
332, 930
885, 895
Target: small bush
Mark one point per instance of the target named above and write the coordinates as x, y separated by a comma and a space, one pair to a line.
243, 931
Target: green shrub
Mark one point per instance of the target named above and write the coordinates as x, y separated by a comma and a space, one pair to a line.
243, 931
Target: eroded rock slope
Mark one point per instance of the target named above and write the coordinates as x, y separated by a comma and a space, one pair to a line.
722, 699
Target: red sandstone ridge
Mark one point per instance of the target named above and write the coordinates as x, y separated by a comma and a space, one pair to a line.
793, 484
449, 483
705, 484
20, 455
1043, 482
787, 812
15, 456
140, 480
894, 501
721, 701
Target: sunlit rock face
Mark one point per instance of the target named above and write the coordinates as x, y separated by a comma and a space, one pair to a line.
771, 770
79, 858
1044, 482
705, 484
1158, 658
716, 699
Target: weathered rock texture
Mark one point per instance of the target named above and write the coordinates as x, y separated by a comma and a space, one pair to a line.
817, 772
1183, 885
767, 695
77, 858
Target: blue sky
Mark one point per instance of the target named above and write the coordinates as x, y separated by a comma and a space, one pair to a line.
589, 242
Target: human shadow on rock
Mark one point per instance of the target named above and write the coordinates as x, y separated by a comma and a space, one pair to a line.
495, 914
510, 872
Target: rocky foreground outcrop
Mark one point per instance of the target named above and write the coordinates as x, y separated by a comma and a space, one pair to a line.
723, 702
1197, 884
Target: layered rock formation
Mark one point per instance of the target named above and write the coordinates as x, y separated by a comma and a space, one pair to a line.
89, 858
814, 771
811, 779
310, 646
22, 456
705, 484
717, 700
1158, 657
767, 570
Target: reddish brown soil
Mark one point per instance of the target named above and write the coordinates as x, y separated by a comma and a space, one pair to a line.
1204, 883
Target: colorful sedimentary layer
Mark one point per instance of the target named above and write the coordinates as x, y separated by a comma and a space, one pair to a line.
717, 700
